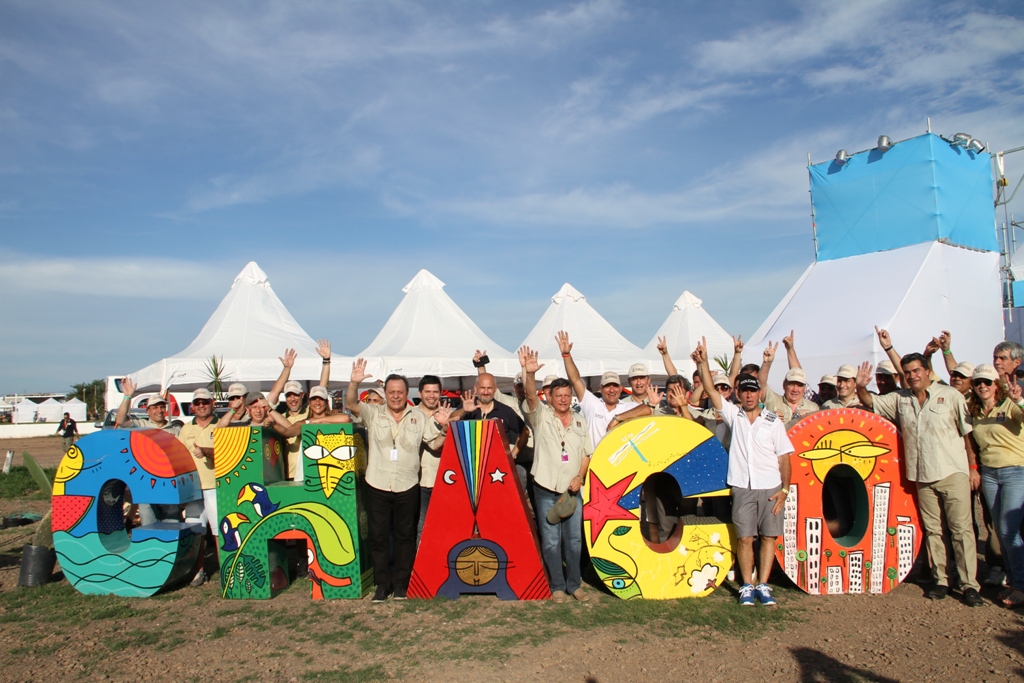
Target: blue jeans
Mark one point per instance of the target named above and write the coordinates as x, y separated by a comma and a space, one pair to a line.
558, 542
1004, 492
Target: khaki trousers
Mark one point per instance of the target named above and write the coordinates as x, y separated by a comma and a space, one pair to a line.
946, 515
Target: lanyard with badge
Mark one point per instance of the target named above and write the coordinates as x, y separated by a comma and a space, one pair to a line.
396, 430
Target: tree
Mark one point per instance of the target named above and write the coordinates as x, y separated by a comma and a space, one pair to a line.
91, 393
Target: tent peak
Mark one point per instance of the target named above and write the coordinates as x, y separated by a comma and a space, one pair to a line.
423, 280
687, 300
252, 274
568, 291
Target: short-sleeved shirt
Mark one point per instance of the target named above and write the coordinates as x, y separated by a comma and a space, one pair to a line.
192, 434
596, 412
69, 427
998, 434
832, 403
146, 423
755, 449
933, 444
551, 438
405, 436
778, 404
430, 460
293, 444
510, 421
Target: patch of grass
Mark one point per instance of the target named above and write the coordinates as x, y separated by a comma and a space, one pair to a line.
328, 637
160, 641
343, 674
60, 602
219, 632
20, 484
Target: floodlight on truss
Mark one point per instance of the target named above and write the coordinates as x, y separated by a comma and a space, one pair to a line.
842, 157
976, 146
884, 143
960, 140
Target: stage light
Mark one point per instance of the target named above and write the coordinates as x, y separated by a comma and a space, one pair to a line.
976, 146
884, 143
960, 140
841, 157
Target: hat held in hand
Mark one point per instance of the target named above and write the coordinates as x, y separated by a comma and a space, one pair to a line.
562, 509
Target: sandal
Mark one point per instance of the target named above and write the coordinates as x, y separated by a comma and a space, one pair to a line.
1005, 593
1014, 599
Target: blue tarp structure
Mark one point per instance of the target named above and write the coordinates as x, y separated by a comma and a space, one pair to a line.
920, 190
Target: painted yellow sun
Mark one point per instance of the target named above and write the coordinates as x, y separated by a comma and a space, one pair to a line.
847, 447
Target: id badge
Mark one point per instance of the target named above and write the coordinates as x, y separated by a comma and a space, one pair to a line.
565, 457
394, 455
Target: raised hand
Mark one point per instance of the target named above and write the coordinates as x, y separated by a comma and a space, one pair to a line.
478, 355
654, 396
701, 352
769, 352
883, 338
288, 359
864, 374
443, 414
359, 371
128, 386
1013, 389
677, 393
788, 341
931, 347
564, 345
528, 359
662, 346
737, 344
323, 347
944, 339
469, 400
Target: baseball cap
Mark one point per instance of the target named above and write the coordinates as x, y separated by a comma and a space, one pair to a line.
828, 379
292, 387
638, 370
886, 367
318, 392
967, 369
237, 389
548, 380
252, 397
610, 378
720, 378
796, 375
747, 382
156, 399
518, 379
983, 371
846, 372
201, 393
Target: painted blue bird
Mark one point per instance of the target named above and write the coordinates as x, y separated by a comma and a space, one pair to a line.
229, 531
258, 496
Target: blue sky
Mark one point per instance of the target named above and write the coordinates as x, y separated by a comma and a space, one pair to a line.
635, 150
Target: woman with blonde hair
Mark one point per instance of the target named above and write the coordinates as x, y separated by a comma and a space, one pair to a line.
998, 422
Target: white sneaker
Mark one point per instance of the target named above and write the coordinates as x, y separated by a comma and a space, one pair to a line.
996, 577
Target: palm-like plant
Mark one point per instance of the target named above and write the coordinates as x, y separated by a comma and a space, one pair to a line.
218, 376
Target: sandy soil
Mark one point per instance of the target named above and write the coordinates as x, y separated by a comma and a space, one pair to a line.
45, 449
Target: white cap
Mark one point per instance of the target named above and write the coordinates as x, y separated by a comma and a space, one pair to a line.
828, 379
796, 375
846, 372
318, 392
156, 399
610, 378
292, 387
237, 389
720, 378
984, 371
638, 370
202, 393
967, 370
548, 380
885, 367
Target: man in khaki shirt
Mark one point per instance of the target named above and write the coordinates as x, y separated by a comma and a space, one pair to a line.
395, 431
197, 437
562, 450
939, 457
846, 389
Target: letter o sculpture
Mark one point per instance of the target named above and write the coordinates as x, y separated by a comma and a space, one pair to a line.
857, 454
698, 554
96, 553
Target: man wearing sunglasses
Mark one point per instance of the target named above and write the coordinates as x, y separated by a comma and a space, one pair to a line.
197, 437
939, 457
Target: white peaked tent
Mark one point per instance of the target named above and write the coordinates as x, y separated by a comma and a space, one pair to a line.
597, 346
682, 329
428, 334
914, 292
250, 330
50, 410
25, 411
75, 408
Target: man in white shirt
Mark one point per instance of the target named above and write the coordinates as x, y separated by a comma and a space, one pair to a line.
597, 411
759, 475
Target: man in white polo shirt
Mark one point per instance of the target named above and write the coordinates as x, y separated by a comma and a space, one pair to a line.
759, 475
597, 411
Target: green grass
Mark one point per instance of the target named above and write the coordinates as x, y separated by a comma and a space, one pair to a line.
343, 674
19, 484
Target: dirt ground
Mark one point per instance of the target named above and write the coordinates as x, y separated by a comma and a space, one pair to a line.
189, 634
45, 449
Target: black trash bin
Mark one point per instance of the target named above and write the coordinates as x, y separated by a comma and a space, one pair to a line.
37, 563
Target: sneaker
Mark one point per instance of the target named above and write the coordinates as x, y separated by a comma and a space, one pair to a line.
763, 593
199, 579
996, 577
399, 594
381, 594
972, 598
747, 595
937, 593
580, 595
559, 596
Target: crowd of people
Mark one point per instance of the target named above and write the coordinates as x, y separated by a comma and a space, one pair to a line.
961, 434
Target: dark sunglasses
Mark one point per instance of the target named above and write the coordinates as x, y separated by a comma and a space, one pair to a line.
201, 402
982, 382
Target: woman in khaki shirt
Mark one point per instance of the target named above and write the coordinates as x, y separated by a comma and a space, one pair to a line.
998, 421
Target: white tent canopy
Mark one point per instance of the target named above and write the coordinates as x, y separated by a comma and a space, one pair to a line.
50, 410
25, 411
914, 292
597, 346
76, 408
250, 330
682, 329
428, 334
